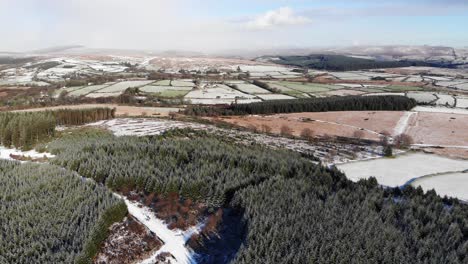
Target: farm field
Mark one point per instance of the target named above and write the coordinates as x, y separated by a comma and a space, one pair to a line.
451, 184
274, 96
218, 94
122, 86
121, 110
249, 88
440, 129
398, 171
370, 123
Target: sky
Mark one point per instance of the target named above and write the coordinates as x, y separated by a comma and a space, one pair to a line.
218, 25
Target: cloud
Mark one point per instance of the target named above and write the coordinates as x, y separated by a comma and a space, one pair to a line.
283, 16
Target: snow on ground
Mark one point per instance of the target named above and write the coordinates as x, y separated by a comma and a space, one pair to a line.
452, 184
174, 240
402, 124
274, 96
400, 170
5, 153
439, 109
462, 103
422, 97
321, 150
445, 99
143, 127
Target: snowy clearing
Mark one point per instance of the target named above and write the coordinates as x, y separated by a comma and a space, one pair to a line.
143, 127
174, 240
7, 153
400, 170
452, 184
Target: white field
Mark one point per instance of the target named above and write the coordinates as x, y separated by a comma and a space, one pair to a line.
122, 86
440, 109
349, 76
87, 90
452, 83
220, 101
217, 92
463, 86
286, 76
377, 94
251, 89
274, 96
398, 171
101, 95
462, 102
445, 99
452, 184
261, 68
422, 97
415, 79
437, 78
159, 89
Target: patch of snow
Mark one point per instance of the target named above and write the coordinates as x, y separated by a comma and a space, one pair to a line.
174, 240
439, 109
5, 153
402, 124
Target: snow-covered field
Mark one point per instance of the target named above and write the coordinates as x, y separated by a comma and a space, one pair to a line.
218, 94
400, 170
445, 99
274, 96
422, 97
440, 109
143, 127
462, 102
250, 88
159, 89
452, 184
88, 89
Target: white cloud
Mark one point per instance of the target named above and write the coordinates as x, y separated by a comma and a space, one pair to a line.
283, 16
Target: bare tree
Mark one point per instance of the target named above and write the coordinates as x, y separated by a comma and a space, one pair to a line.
384, 138
286, 131
403, 141
266, 129
252, 128
359, 134
307, 134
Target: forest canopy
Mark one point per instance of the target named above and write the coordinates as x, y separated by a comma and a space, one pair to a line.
50, 215
24, 129
342, 103
295, 211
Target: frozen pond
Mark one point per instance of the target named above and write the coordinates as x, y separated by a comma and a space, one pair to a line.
398, 171
452, 184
